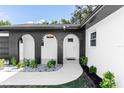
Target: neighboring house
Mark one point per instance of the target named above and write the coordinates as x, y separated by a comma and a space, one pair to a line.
100, 37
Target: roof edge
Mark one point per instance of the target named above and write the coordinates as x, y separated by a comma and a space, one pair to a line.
41, 26
97, 9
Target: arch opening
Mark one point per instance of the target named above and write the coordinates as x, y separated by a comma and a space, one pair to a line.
71, 48
48, 49
26, 47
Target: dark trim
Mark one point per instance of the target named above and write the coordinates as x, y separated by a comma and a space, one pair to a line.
94, 78
96, 10
70, 59
103, 13
40, 26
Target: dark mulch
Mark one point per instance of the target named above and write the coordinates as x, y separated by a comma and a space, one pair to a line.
93, 77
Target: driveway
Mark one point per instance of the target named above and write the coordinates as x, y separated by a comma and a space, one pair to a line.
69, 72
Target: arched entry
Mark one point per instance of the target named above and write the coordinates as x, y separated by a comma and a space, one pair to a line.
48, 48
70, 48
26, 47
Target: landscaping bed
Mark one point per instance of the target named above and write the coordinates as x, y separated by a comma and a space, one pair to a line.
42, 68
39, 68
93, 77
108, 80
90, 71
28, 65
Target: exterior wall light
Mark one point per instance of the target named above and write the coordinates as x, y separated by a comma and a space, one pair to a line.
64, 27
21, 40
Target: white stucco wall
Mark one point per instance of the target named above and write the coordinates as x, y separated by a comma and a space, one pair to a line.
28, 47
4, 34
49, 50
71, 49
21, 57
109, 51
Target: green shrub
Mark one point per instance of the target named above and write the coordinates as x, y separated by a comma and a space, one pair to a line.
51, 63
93, 69
83, 61
26, 62
33, 63
13, 61
20, 65
108, 80
2, 63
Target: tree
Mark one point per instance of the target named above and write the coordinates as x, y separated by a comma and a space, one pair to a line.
54, 22
3, 23
65, 21
45, 23
62, 21
81, 13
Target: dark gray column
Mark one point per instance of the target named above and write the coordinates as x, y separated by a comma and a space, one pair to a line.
38, 40
13, 46
82, 44
60, 51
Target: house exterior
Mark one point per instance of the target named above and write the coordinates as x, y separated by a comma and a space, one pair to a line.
42, 42
105, 42
100, 37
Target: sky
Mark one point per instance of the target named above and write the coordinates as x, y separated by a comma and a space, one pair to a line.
21, 14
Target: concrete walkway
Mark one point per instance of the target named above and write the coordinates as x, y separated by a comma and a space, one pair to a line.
69, 72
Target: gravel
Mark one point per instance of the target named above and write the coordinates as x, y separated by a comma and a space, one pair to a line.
40, 68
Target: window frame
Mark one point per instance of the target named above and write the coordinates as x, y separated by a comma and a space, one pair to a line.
70, 40
93, 36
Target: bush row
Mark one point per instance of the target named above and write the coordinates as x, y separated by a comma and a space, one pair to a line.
108, 80
31, 63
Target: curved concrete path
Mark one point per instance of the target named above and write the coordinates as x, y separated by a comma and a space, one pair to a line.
69, 72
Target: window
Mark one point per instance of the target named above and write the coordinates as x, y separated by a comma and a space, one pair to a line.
70, 39
50, 36
93, 39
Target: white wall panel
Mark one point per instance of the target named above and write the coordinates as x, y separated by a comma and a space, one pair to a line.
21, 57
109, 51
4, 34
49, 50
27, 49
71, 49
